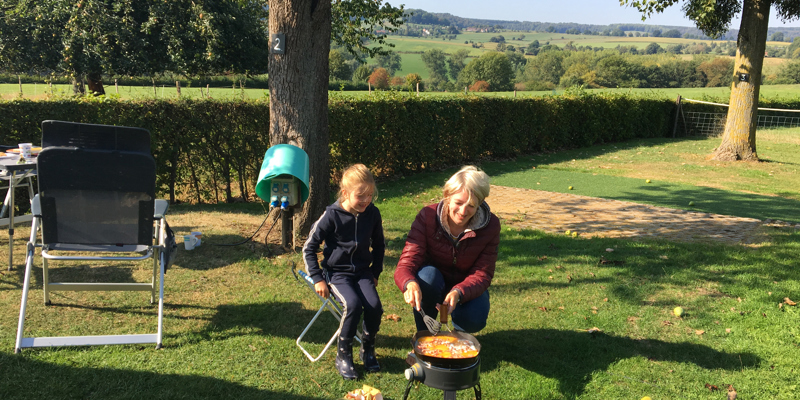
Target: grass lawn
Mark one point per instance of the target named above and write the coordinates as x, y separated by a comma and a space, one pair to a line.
234, 312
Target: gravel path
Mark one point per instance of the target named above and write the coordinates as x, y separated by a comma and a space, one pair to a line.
591, 216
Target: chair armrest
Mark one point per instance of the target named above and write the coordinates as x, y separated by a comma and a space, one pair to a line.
161, 208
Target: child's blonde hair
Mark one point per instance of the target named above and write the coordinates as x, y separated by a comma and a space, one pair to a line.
471, 179
355, 175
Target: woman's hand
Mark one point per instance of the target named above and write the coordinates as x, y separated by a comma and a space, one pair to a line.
413, 295
322, 289
451, 300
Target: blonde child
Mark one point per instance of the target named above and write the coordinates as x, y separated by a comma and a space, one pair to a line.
349, 228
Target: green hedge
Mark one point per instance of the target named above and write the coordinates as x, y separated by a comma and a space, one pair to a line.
211, 150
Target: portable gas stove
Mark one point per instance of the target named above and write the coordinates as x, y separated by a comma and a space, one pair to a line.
449, 379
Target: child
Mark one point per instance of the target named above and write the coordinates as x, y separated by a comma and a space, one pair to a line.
349, 227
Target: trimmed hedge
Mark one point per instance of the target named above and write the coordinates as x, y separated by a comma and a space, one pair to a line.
211, 150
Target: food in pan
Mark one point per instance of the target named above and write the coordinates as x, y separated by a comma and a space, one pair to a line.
446, 347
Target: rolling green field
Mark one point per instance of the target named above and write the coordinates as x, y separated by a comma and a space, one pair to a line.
38, 92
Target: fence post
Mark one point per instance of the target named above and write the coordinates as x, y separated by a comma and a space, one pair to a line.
116, 85
369, 86
677, 114
178, 87
417, 88
208, 93
20, 84
465, 90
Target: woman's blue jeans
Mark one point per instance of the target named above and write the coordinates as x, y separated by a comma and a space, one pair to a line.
469, 317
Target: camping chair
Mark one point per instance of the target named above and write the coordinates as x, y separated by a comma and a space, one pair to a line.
331, 304
96, 204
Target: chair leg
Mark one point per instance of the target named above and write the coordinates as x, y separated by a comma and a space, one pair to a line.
24, 302
46, 281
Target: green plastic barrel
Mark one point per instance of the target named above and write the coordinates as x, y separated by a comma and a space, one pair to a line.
283, 160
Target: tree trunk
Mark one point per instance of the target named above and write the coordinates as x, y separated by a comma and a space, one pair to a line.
298, 94
95, 83
739, 139
77, 86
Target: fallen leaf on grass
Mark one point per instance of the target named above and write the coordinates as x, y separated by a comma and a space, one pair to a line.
699, 332
727, 330
609, 250
594, 329
711, 387
731, 393
612, 262
789, 302
592, 274
394, 317
542, 258
666, 323
569, 278
605, 299
543, 309
251, 347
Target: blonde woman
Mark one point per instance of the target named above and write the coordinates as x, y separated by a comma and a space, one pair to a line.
350, 227
450, 254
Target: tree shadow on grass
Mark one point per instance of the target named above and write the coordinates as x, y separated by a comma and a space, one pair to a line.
24, 378
570, 357
654, 262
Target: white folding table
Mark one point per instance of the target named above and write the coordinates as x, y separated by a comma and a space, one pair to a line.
15, 173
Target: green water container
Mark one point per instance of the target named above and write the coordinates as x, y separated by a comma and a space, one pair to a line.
282, 163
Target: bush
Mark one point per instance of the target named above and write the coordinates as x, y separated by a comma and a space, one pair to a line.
379, 79
211, 150
479, 86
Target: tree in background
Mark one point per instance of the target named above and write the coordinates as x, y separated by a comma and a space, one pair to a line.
362, 73
793, 51
717, 72
338, 68
672, 33
790, 73
653, 48
391, 61
379, 79
713, 18
412, 80
435, 62
89, 38
777, 37
480, 86
492, 67
456, 62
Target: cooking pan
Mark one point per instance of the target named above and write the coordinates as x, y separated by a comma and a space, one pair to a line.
442, 361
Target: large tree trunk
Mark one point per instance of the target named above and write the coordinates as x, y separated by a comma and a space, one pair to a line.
95, 82
298, 94
739, 139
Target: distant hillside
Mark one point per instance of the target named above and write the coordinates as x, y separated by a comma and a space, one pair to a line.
418, 16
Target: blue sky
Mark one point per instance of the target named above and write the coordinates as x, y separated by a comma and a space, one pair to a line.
600, 12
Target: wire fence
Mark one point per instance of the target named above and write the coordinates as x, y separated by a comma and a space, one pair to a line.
713, 123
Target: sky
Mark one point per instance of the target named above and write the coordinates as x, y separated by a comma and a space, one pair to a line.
597, 12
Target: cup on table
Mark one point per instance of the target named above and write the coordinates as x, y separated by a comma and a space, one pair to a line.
25, 150
198, 235
190, 242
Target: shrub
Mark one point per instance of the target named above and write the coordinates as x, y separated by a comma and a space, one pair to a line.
379, 79
479, 86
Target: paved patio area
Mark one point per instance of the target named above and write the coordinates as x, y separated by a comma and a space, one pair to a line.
591, 216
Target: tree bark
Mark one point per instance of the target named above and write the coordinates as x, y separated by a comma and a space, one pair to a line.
298, 94
739, 138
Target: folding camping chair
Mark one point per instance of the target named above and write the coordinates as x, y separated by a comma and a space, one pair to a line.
331, 304
96, 201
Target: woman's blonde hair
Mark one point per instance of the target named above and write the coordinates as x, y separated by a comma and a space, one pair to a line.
355, 175
471, 179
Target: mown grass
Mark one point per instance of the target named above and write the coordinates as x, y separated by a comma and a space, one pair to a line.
233, 312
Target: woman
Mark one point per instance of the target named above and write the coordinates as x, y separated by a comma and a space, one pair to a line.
450, 254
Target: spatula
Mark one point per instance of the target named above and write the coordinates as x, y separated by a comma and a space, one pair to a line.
433, 325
